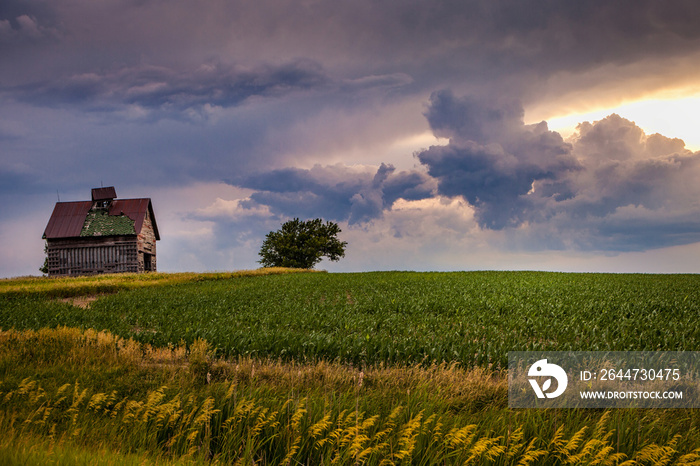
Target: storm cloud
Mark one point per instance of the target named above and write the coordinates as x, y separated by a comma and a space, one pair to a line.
336, 192
493, 159
610, 187
166, 90
509, 46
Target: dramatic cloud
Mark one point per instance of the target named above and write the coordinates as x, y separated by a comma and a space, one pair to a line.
636, 192
336, 192
611, 187
493, 158
509, 46
314, 109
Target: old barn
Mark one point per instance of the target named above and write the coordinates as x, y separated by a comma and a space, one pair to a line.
103, 235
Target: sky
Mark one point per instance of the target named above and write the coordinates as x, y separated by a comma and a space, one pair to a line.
439, 135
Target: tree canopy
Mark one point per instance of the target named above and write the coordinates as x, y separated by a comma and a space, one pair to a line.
302, 244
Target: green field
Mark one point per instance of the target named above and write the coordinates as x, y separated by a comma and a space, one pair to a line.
392, 317
318, 368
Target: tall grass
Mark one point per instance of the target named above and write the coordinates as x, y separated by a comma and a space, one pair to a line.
37, 450
253, 411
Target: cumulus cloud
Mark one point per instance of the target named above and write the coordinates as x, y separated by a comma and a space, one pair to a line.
235, 224
493, 158
236, 209
636, 190
336, 192
27, 23
24, 29
611, 187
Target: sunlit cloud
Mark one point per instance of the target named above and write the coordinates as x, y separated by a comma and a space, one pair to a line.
675, 117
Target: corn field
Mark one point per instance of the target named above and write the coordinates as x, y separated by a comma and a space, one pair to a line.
473, 318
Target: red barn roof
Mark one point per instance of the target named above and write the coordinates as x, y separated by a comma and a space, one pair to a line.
68, 218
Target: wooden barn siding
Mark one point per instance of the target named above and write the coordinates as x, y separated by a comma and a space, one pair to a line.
88, 256
147, 244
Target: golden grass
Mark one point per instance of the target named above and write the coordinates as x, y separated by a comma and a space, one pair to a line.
250, 411
109, 283
246, 430
78, 347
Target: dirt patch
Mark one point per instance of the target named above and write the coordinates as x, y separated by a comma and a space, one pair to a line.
81, 301
136, 330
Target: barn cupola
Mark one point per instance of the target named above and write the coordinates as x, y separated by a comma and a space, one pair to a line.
103, 197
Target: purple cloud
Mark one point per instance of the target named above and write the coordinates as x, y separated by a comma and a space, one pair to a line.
493, 158
163, 89
336, 192
611, 187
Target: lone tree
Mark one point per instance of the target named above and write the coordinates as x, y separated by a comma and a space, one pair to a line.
302, 244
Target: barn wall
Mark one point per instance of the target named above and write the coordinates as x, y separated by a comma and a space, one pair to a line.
94, 255
147, 246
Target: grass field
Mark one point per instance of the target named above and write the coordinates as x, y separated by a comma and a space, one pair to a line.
316, 368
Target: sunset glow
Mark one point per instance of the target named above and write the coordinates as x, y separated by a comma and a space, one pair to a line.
673, 117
